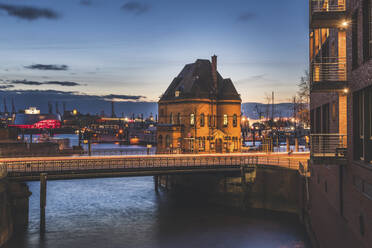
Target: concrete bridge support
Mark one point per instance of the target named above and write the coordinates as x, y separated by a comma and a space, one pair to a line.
43, 190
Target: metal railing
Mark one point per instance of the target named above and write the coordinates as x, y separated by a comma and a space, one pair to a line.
328, 69
328, 145
141, 163
328, 5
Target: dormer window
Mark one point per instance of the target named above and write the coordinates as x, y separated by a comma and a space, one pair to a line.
177, 93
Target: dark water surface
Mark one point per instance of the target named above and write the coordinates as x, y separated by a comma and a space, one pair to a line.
126, 212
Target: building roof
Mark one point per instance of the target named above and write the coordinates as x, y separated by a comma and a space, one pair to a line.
196, 81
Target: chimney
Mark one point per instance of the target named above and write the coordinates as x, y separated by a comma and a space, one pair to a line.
214, 72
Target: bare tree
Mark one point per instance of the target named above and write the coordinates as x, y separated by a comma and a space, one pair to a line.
303, 99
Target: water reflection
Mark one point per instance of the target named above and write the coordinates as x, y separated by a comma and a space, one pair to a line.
126, 212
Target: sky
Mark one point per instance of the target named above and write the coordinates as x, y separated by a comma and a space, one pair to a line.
131, 50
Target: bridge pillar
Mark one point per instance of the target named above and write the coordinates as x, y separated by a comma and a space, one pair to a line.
43, 188
242, 174
156, 183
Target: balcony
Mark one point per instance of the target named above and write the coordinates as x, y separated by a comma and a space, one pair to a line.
328, 74
327, 13
328, 148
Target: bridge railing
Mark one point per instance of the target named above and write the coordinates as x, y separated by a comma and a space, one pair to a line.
145, 163
3, 171
126, 163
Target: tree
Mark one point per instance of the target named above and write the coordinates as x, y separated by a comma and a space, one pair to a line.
303, 99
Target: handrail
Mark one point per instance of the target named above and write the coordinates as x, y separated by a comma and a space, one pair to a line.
326, 6
146, 163
328, 69
328, 145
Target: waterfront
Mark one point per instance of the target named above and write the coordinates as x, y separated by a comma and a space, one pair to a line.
126, 212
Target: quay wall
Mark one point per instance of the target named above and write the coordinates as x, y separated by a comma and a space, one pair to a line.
13, 208
269, 188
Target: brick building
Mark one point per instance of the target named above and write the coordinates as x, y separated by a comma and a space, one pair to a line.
340, 206
199, 112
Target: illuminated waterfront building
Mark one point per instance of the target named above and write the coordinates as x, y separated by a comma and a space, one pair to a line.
200, 112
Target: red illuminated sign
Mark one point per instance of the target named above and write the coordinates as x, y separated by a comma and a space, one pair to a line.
44, 124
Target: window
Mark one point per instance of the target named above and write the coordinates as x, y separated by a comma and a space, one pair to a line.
363, 124
334, 113
354, 40
192, 119
171, 118
177, 93
325, 118
202, 120
201, 143
367, 32
168, 141
225, 120
209, 120
361, 225
179, 142
235, 120
160, 141
178, 118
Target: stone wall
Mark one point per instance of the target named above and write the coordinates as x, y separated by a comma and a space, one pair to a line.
277, 189
13, 208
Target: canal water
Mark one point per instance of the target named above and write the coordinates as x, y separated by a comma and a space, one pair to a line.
127, 213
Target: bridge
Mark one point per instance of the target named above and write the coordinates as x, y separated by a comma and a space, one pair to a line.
29, 169
55, 168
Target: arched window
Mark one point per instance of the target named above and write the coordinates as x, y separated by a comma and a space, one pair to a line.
202, 120
178, 118
225, 120
160, 141
235, 120
192, 119
171, 118
167, 141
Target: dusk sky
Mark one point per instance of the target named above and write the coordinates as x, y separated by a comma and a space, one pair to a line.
136, 48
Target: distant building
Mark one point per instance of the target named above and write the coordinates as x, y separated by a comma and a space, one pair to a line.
32, 119
199, 112
340, 188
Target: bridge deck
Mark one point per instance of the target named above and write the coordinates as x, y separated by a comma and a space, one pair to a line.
113, 166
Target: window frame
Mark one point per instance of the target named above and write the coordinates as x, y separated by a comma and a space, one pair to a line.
202, 120
225, 120
235, 120
192, 119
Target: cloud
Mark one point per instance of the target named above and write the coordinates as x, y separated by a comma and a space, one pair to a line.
135, 7
36, 83
47, 67
86, 2
74, 95
122, 97
29, 13
6, 86
246, 16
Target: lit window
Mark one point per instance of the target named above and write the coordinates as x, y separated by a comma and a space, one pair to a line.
177, 93
225, 120
192, 119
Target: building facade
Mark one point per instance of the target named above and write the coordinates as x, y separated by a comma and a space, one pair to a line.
340, 205
199, 112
